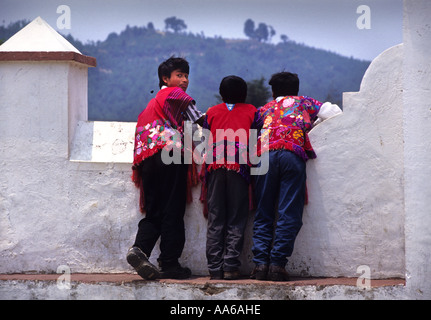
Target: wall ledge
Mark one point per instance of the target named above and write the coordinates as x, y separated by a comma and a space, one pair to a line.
47, 56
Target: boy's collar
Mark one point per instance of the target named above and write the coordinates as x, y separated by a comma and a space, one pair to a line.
278, 99
230, 106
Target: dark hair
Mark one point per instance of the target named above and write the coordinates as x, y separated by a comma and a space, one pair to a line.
233, 89
284, 84
172, 64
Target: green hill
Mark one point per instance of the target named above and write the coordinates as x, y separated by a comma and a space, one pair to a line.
125, 78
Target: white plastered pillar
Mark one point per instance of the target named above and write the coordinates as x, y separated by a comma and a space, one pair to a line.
417, 146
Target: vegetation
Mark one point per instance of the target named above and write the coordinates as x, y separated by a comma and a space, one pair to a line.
175, 24
262, 33
125, 78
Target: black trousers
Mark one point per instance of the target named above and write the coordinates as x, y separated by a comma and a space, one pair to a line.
227, 218
165, 191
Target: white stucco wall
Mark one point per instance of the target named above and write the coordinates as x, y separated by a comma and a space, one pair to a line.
355, 214
53, 211
417, 150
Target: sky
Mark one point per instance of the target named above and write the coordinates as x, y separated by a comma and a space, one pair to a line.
340, 26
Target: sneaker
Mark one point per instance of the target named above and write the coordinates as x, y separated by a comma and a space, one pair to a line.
175, 272
260, 272
277, 273
139, 261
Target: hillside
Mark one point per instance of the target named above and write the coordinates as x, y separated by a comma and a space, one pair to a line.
125, 78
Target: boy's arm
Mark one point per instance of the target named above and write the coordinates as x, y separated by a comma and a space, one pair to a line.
312, 106
320, 112
257, 121
328, 110
174, 105
193, 114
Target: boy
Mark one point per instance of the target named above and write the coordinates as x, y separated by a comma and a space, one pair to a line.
227, 177
287, 120
163, 186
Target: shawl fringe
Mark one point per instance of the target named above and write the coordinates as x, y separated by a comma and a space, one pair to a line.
137, 180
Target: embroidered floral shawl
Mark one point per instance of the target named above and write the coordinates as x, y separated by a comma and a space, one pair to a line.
287, 122
158, 126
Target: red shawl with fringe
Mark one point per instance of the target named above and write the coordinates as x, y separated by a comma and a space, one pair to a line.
158, 126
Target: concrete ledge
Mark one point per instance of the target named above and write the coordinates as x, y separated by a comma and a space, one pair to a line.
47, 56
131, 286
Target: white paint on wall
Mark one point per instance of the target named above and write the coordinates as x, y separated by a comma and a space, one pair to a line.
355, 214
417, 150
66, 196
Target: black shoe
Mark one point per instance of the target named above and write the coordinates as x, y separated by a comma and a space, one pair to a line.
260, 272
231, 275
277, 273
175, 272
138, 260
216, 275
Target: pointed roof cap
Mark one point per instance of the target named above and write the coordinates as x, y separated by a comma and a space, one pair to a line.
39, 41
37, 36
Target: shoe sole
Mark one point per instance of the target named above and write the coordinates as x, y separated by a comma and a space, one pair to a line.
144, 268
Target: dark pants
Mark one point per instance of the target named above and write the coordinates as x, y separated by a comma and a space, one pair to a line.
284, 181
165, 188
227, 218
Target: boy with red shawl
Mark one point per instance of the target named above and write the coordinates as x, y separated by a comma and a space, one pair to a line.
163, 186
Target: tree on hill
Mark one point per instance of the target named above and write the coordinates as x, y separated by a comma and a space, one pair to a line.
262, 33
284, 38
175, 24
249, 28
150, 26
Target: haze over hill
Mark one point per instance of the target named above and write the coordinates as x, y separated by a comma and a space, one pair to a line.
125, 78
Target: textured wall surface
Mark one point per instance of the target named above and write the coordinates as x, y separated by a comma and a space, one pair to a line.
355, 214
417, 150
